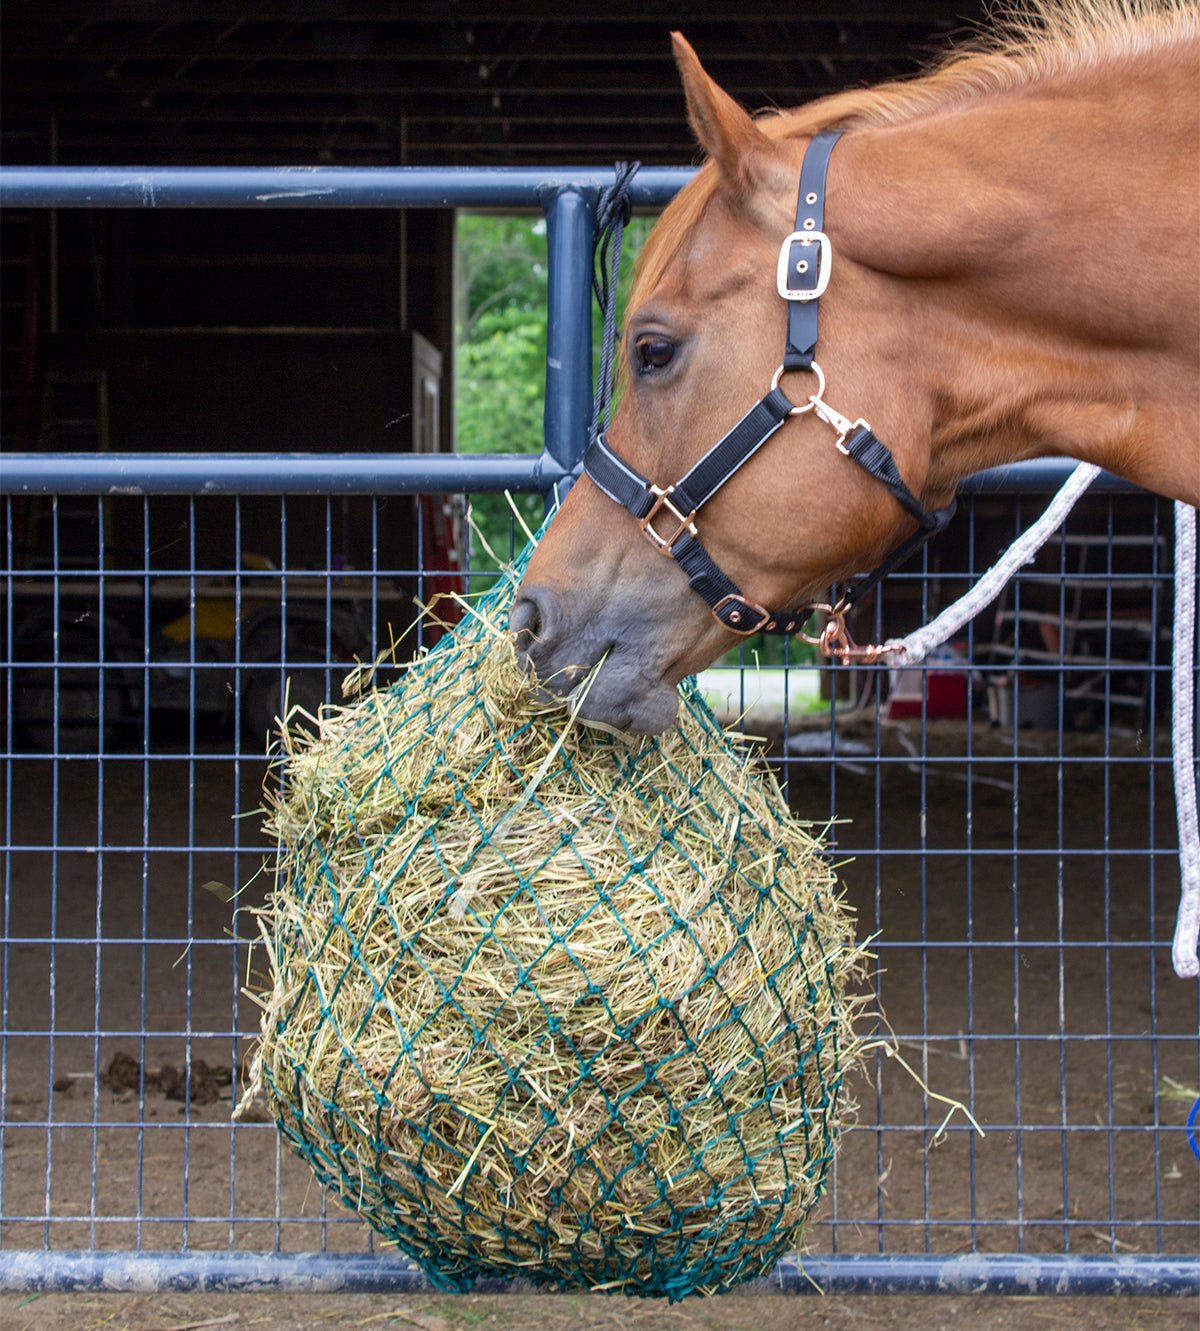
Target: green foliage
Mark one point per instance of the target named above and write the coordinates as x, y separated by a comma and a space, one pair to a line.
501, 361
501, 358
502, 334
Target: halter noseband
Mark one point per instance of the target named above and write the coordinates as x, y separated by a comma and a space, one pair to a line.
667, 516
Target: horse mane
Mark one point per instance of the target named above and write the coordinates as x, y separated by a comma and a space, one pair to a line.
1029, 42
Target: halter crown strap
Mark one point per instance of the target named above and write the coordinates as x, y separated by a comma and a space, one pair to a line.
805, 253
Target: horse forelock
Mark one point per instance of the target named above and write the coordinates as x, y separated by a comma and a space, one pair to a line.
1031, 42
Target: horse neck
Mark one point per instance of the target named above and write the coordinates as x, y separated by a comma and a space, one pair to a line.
1040, 256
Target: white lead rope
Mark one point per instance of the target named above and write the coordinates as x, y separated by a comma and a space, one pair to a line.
914, 648
1183, 681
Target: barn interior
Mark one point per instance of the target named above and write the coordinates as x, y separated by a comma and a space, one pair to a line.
292, 330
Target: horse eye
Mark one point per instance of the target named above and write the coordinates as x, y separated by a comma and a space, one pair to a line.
654, 353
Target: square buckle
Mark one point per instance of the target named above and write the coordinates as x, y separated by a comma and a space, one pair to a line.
661, 543
734, 623
823, 258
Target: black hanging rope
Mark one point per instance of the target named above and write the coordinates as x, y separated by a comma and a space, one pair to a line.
614, 208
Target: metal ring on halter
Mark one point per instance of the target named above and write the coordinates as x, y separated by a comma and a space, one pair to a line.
819, 607
810, 404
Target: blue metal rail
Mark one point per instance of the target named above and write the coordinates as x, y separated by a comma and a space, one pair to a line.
567, 198
319, 186
379, 473
326, 1273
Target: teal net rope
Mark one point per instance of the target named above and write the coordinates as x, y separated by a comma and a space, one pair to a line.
548, 1002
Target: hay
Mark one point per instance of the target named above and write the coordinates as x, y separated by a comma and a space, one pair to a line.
548, 1002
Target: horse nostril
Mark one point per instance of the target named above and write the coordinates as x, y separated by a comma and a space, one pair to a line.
527, 622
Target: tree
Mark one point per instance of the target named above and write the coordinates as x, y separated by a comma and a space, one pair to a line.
501, 361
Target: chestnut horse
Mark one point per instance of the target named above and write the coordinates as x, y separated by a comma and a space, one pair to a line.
1013, 272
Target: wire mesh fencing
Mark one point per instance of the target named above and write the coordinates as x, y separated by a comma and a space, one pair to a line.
1002, 820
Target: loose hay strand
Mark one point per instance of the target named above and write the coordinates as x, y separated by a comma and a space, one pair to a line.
549, 1002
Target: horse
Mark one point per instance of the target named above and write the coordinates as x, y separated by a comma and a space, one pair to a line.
1004, 253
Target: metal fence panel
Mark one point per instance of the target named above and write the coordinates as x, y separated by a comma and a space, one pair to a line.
1019, 875
1020, 881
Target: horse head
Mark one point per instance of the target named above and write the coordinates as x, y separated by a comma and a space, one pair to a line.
971, 315
702, 343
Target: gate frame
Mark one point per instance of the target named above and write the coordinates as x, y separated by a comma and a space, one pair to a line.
568, 201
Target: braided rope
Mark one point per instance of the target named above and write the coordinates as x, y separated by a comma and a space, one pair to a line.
614, 208
913, 649
1183, 682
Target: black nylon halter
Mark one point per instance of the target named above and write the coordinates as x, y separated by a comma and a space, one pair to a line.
801, 277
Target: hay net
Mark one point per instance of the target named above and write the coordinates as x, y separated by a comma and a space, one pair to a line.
550, 1002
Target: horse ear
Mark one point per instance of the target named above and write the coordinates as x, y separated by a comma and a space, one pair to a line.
725, 130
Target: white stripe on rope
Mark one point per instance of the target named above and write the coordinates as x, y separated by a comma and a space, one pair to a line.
914, 648
1183, 685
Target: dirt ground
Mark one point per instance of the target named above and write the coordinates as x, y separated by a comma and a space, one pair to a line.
577, 1312
1049, 1041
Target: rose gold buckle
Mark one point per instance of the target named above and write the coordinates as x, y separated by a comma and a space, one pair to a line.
663, 544
733, 624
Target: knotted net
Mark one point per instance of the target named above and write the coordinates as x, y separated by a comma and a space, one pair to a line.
550, 1002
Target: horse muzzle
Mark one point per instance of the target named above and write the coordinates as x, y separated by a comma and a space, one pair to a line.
561, 641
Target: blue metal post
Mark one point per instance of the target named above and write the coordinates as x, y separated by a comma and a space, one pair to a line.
570, 227
869, 1273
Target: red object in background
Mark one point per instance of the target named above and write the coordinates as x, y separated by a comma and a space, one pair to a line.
945, 696
442, 562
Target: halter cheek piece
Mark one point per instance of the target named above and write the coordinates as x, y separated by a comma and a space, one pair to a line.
668, 516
